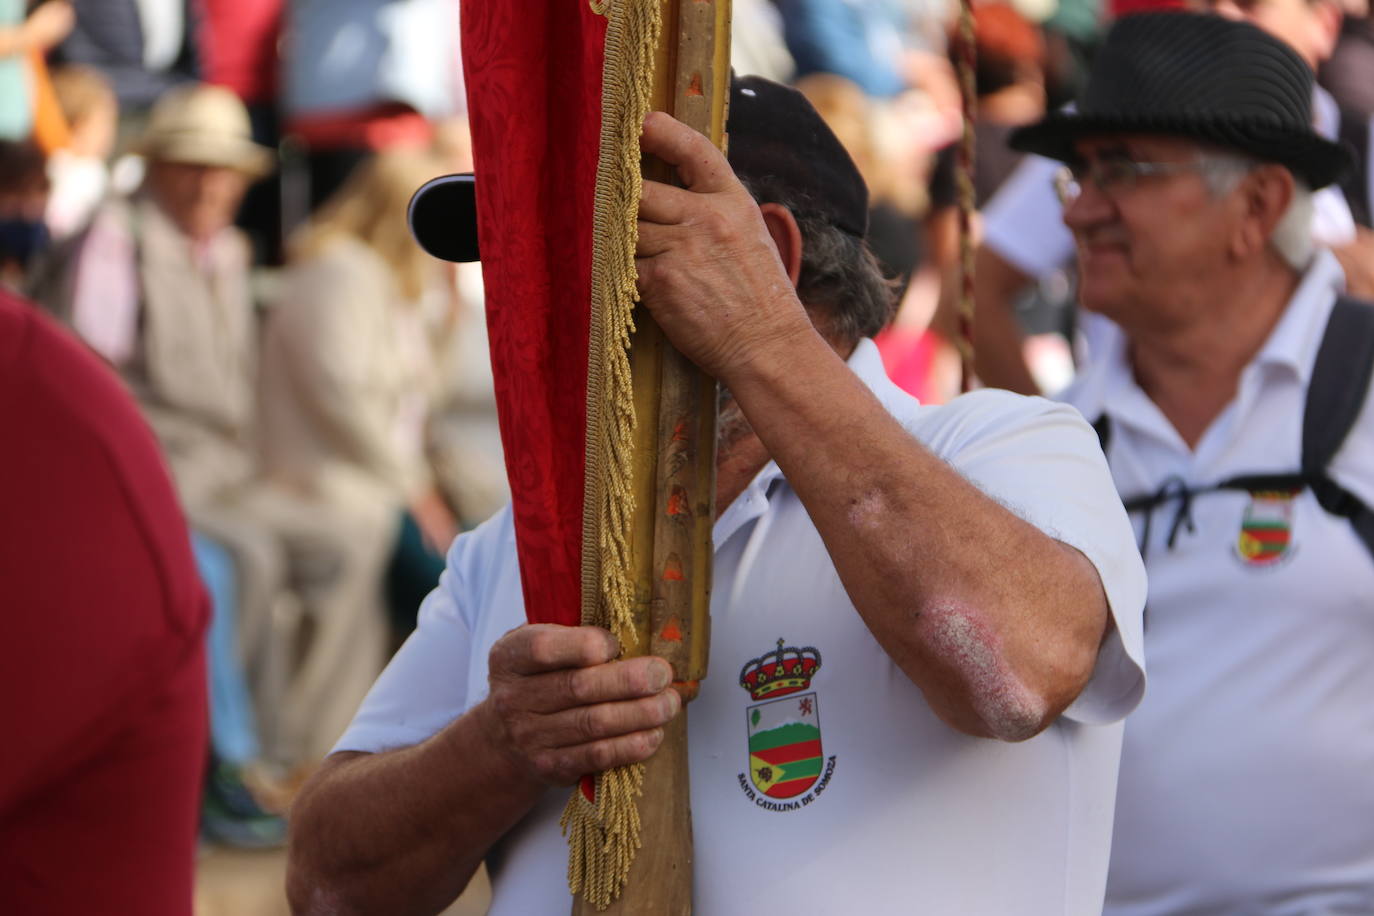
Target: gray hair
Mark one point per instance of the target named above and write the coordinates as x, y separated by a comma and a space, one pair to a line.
1292, 236
841, 283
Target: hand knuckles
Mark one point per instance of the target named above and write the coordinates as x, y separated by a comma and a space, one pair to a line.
541, 647
717, 224
548, 766
587, 723
577, 686
505, 700
499, 659
522, 734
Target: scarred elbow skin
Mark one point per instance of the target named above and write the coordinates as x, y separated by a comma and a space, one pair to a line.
1007, 708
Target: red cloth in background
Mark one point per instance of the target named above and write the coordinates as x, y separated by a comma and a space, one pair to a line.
1119, 8
533, 73
102, 684
238, 44
377, 127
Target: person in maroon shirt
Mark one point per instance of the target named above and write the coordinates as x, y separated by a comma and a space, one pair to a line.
102, 684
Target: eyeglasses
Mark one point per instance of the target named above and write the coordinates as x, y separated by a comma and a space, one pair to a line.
1115, 176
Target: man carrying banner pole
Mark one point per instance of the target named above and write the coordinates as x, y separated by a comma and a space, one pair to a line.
934, 613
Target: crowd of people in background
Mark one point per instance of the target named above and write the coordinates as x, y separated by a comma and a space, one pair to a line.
211, 194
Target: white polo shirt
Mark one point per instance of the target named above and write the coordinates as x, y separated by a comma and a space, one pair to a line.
1247, 779
842, 793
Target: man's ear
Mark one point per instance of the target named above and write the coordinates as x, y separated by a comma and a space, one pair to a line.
787, 237
1266, 195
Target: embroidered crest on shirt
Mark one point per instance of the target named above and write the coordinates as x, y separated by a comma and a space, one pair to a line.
787, 768
1266, 529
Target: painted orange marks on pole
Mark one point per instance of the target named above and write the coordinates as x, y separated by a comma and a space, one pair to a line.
672, 569
694, 87
678, 504
672, 630
688, 690
680, 431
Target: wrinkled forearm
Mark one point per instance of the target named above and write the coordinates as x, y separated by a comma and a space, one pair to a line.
402, 831
996, 622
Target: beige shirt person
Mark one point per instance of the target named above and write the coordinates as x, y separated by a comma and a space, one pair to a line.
175, 317
346, 379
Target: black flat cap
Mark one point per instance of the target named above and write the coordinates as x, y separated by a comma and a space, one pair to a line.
776, 139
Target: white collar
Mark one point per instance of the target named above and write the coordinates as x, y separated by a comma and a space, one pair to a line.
1326, 113
1297, 336
1107, 385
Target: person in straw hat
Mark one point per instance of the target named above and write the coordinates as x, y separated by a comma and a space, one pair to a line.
159, 285
1231, 416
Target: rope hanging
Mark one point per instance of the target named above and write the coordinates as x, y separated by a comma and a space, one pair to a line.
601, 819
966, 52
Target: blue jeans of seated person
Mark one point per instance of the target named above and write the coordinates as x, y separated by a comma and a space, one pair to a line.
233, 728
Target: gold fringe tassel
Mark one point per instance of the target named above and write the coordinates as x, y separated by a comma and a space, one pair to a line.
603, 833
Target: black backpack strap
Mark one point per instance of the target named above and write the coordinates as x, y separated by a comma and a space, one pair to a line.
1340, 382
1339, 386
1354, 132
1103, 427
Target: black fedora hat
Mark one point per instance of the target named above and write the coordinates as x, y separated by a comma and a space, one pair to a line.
776, 138
1198, 76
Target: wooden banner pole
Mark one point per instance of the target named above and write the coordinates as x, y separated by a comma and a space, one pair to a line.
674, 486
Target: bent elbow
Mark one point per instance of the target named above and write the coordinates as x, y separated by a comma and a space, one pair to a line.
1010, 711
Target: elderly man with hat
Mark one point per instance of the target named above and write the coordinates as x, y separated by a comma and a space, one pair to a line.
954, 588
159, 286
1024, 241
1233, 410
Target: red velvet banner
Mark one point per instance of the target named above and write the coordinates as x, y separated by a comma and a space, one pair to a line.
533, 73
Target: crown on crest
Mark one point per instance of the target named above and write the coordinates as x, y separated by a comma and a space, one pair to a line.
778, 673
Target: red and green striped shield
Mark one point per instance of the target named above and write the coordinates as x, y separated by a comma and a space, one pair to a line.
1266, 530
785, 757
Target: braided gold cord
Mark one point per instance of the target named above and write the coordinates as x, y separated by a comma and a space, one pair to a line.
604, 833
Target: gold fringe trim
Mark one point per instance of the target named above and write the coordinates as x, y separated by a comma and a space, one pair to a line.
603, 835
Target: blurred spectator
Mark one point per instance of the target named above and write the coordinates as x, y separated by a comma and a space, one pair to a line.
239, 44
238, 47
756, 43
348, 372
159, 285
862, 42
79, 172
1229, 408
1024, 237
1349, 74
367, 75
23, 198
1010, 85
102, 693
1072, 29
25, 36
912, 230
144, 47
